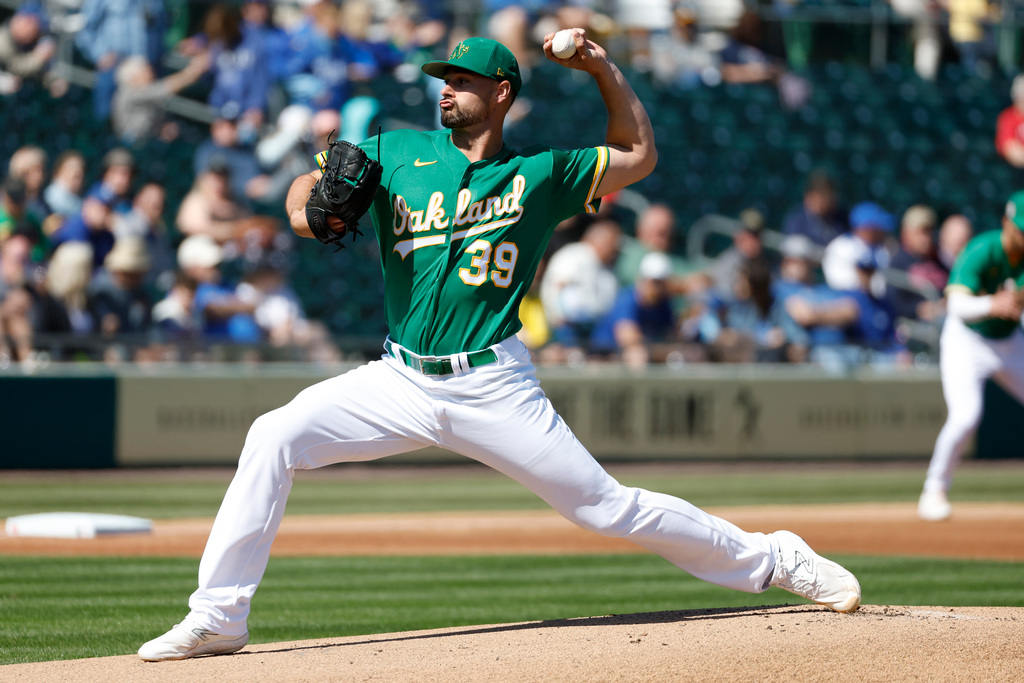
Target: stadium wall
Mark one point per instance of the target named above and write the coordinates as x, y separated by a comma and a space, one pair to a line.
199, 416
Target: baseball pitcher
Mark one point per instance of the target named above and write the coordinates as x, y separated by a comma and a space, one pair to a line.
462, 221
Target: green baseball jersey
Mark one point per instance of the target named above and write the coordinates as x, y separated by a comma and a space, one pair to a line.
982, 268
460, 242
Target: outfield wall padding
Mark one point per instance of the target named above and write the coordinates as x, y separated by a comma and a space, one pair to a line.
185, 416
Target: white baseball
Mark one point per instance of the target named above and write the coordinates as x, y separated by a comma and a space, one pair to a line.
563, 45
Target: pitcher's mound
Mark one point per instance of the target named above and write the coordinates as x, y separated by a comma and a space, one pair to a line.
789, 642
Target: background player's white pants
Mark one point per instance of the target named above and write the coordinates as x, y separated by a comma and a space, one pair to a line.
496, 414
966, 360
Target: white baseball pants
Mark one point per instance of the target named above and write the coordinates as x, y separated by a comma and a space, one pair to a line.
496, 414
966, 360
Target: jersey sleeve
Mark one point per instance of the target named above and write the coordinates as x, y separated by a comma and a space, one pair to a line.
967, 269
581, 172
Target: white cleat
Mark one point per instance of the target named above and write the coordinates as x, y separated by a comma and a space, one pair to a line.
933, 506
804, 572
188, 639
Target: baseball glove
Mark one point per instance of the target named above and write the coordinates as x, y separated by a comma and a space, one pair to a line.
345, 190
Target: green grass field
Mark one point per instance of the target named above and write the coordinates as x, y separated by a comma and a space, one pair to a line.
72, 607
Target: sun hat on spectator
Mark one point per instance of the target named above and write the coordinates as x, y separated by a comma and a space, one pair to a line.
199, 251
129, 255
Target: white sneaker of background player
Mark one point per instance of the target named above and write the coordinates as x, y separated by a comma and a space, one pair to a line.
189, 639
934, 506
804, 572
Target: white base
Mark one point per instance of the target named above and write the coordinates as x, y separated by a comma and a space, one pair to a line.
75, 525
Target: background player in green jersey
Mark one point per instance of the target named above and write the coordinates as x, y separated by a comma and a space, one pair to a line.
981, 338
462, 221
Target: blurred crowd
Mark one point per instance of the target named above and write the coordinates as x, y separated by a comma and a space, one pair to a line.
97, 264
835, 287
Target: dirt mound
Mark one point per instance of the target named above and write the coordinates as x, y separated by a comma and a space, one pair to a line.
804, 642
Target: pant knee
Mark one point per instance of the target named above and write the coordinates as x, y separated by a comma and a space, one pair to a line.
612, 515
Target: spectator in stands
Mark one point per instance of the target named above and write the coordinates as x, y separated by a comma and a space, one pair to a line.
225, 317
279, 313
116, 176
238, 64
954, 234
922, 276
925, 18
13, 216
369, 56
874, 328
745, 326
809, 318
970, 32
224, 148
871, 229
747, 246
109, 196
146, 221
641, 325
92, 225
114, 30
28, 164
64, 193
15, 298
684, 58
317, 71
260, 30
420, 28
579, 288
210, 209
27, 50
867, 322
818, 216
118, 296
1010, 126
290, 149
174, 316
655, 231
138, 107
744, 60
68, 277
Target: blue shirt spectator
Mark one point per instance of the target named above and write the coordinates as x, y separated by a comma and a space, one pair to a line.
259, 29
92, 224
641, 315
238, 65
317, 72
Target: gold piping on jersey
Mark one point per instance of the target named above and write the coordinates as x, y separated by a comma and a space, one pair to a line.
599, 169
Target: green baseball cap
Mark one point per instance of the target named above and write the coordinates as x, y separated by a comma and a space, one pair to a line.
481, 56
1015, 208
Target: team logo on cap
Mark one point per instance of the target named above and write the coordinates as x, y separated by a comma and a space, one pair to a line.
1011, 210
459, 51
